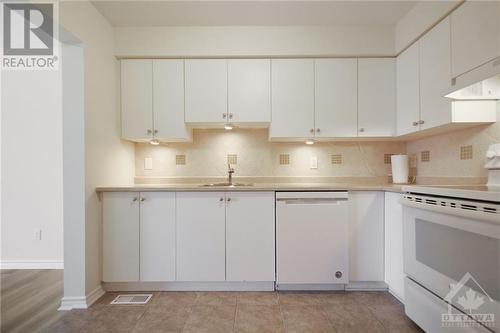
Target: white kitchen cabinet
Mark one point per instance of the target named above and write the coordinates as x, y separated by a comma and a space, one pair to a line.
201, 236
475, 35
250, 236
157, 236
206, 91
435, 76
137, 99
292, 98
120, 236
408, 90
249, 91
366, 236
394, 274
168, 101
376, 97
336, 98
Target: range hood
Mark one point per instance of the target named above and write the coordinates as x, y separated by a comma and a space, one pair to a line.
488, 89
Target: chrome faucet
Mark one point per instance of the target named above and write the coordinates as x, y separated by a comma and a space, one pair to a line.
230, 172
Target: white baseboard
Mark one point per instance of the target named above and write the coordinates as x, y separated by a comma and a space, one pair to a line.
31, 264
366, 286
309, 287
81, 302
188, 286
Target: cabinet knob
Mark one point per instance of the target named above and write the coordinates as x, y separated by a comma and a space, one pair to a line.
311, 130
224, 116
221, 199
415, 123
338, 274
228, 199
156, 131
318, 130
230, 116
149, 131
134, 199
421, 122
143, 199
361, 129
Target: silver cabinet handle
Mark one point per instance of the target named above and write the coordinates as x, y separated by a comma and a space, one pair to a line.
224, 116
361, 129
221, 199
421, 122
134, 199
143, 199
415, 123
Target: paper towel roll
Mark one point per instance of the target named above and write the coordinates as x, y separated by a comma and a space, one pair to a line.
399, 169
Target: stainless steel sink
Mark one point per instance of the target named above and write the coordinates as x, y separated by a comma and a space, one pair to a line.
226, 185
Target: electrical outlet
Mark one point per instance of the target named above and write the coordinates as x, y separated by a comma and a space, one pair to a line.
37, 234
314, 162
148, 163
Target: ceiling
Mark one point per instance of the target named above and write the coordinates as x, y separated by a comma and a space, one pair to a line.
252, 13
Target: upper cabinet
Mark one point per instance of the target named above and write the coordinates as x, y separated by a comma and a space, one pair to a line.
206, 91
249, 90
152, 100
292, 99
408, 90
336, 98
435, 76
137, 99
376, 97
475, 35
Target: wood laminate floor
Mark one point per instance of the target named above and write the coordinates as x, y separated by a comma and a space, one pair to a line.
31, 300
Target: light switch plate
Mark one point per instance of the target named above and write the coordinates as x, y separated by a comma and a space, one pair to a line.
148, 163
313, 162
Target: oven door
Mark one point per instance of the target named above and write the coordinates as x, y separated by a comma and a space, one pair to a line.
449, 254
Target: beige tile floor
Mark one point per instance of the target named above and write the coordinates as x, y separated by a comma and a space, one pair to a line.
261, 312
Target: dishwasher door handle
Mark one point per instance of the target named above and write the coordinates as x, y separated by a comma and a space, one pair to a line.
311, 201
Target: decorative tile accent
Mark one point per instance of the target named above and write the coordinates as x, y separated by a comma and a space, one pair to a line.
425, 156
387, 158
466, 152
284, 159
336, 158
232, 159
180, 159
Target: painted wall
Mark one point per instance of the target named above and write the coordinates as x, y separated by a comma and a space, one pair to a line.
107, 158
31, 169
257, 157
253, 41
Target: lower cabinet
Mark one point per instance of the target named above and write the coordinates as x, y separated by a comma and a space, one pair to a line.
138, 236
394, 274
366, 236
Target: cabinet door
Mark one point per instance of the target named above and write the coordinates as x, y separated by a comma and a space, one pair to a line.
376, 97
137, 99
366, 234
168, 105
394, 275
292, 99
157, 236
250, 236
474, 35
336, 97
120, 211
249, 90
408, 90
200, 236
435, 76
206, 90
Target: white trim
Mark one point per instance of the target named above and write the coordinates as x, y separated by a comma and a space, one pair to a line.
188, 286
393, 293
366, 286
31, 264
81, 302
310, 287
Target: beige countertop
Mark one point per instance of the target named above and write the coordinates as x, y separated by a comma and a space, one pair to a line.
254, 187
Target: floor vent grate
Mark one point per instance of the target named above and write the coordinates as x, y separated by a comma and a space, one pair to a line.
136, 299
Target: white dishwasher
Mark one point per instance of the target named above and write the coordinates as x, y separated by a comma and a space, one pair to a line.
312, 238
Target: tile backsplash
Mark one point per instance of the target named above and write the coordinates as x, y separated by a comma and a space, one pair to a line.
208, 154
